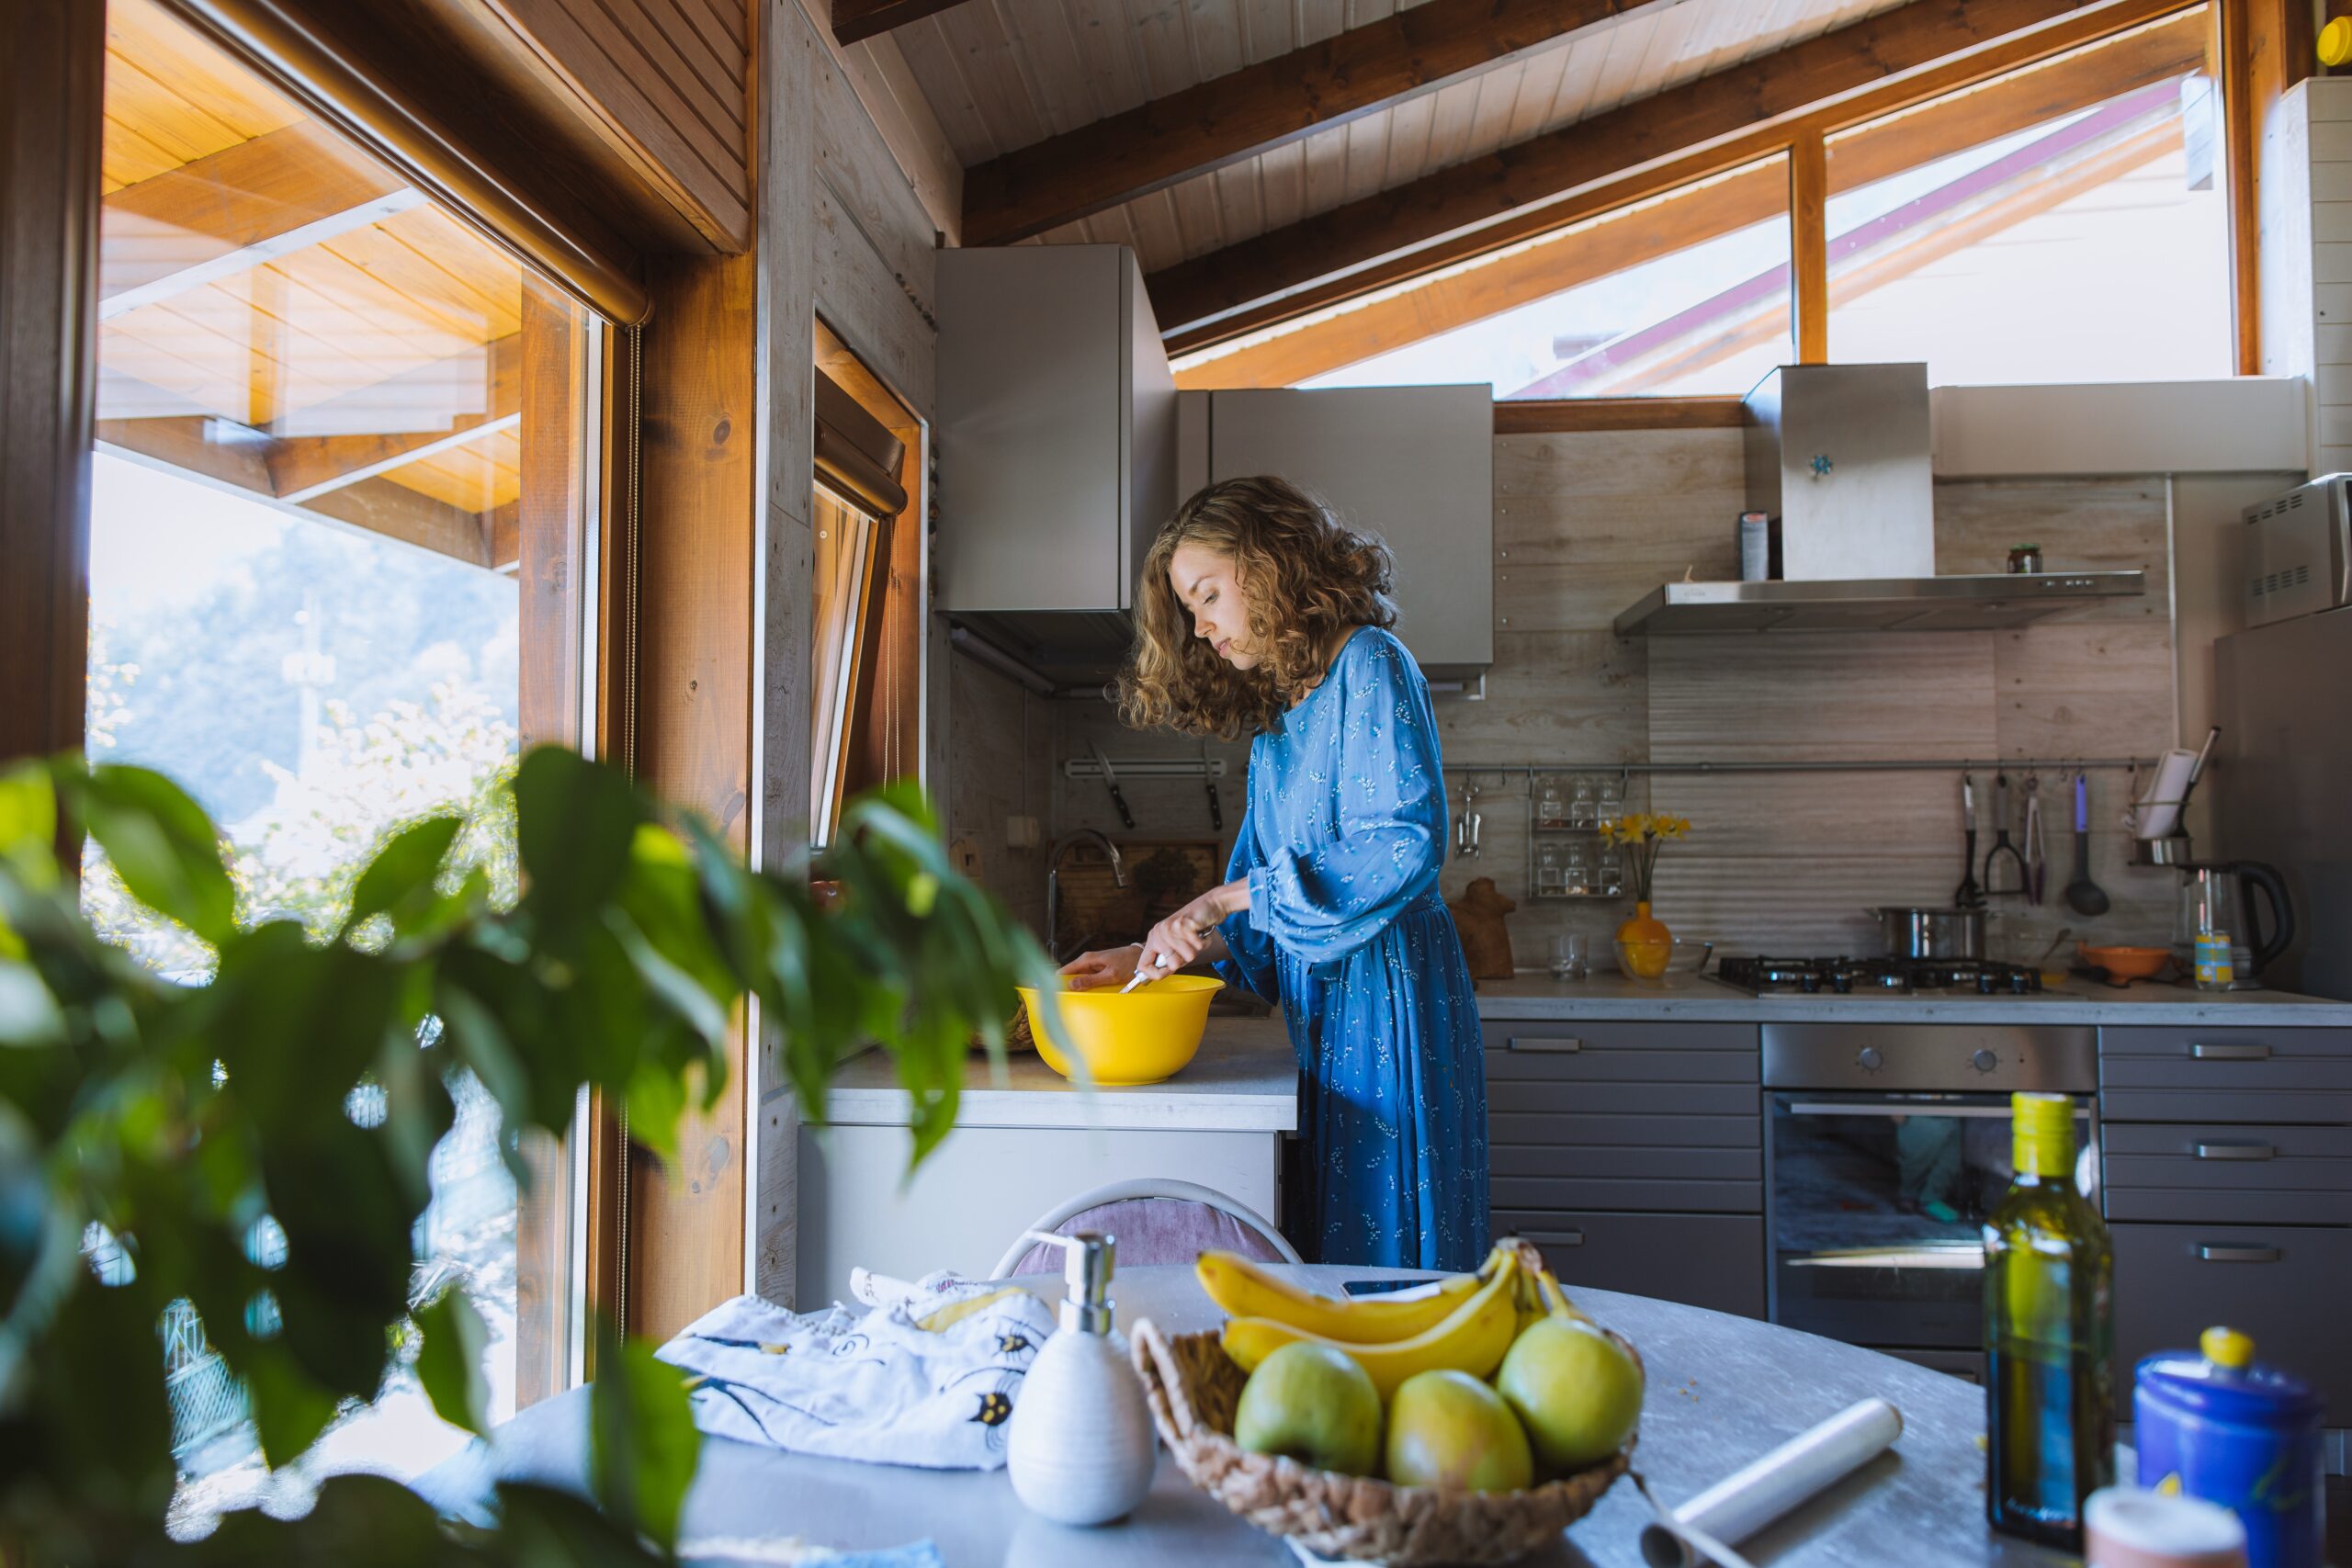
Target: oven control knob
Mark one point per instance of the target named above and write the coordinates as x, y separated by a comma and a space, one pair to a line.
1983, 1061
1870, 1059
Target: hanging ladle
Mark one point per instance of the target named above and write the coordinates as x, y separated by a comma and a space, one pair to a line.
2083, 896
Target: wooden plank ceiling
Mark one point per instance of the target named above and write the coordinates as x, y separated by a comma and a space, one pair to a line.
280, 314
1261, 156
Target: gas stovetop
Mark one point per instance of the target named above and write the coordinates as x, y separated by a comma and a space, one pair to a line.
1877, 976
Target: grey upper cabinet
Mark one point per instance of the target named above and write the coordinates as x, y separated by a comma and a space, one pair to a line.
1055, 429
1415, 465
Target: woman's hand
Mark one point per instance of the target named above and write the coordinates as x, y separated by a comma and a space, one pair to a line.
1188, 935
1110, 966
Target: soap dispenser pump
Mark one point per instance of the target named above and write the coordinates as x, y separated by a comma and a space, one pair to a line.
1080, 1450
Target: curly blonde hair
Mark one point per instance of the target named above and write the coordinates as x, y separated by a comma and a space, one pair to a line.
1305, 577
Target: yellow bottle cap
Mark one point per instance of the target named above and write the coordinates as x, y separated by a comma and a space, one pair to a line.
2044, 1133
2227, 1347
2336, 41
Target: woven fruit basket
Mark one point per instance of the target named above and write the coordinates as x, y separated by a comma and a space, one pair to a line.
1193, 1387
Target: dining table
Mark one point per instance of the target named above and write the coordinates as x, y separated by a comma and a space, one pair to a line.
1722, 1390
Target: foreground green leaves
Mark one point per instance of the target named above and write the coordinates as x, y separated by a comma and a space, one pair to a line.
257, 1141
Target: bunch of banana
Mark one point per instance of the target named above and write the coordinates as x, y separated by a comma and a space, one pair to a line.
1539, 1293
1472, 1335
1244, 1289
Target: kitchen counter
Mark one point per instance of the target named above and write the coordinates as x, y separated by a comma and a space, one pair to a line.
1722, 1391
1244, 1080
1534, 996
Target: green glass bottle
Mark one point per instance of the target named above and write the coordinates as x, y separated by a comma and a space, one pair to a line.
2049, 1287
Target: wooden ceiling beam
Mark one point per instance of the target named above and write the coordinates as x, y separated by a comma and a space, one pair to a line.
1228, 117
1613, 241
856, 19
303, 468
1866, 69
237, 209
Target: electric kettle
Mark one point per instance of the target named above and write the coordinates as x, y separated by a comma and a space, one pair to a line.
2219, 895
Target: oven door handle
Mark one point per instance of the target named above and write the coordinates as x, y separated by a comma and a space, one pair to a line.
1854, 1108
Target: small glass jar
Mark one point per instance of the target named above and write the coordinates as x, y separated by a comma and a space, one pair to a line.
1609, 872
1576, 871
1551, 803
1612, 798
1549, 880
1584, 803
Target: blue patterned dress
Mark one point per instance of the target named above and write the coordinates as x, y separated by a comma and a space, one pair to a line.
1341, 843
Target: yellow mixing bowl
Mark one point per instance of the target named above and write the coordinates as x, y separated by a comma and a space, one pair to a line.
1142, 1037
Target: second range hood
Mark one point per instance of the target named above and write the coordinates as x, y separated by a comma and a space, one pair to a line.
1839, 457
1872, 604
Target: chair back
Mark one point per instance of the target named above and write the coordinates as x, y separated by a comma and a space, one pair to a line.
1155, 1222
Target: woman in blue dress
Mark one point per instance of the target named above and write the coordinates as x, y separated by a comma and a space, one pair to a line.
1261, 614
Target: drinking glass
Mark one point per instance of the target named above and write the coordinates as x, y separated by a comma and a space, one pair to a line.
1571, 957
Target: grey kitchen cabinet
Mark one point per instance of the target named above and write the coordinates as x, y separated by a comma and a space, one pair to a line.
1056, 430
1704, 1260
2283, 1284
1633, 1154
2223, 1172
2276, 1074
1415, 465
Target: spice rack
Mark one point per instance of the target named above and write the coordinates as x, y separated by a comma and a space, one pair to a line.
1566, 856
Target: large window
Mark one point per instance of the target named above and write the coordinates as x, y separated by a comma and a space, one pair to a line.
339, 537
2065, 221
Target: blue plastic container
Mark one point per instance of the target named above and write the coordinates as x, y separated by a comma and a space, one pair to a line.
2218, 1427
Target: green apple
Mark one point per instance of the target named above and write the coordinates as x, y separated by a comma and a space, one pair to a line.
1313, 1404
1447, 1428
1577, 1390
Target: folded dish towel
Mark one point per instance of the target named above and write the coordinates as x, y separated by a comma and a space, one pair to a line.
878, 1386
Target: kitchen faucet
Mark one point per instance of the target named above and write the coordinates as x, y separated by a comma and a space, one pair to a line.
1062, 846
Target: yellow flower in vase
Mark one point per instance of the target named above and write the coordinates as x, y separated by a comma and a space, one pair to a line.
1645, 944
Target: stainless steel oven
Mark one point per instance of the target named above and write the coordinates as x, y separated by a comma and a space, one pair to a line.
1885, 1146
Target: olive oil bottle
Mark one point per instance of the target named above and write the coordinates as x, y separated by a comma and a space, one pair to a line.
2049, 1283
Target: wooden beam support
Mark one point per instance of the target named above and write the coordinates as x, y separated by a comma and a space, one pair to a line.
1558, 416
236, 208
1852, 73
2261, 47
1634, 232
1809, 247
1230, 117
52, 95
856, 19
696, 579
304, 468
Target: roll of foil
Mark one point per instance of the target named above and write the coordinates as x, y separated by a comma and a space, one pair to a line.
1744, 1502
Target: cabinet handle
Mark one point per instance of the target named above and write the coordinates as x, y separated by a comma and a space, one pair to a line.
1555, 1238
2234, 1151
2239, 1254
1562, 1042
2256, 1052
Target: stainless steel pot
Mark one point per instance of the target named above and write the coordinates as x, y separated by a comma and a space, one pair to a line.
1930, 933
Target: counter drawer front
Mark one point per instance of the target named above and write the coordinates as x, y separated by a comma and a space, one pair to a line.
1706, 1261
1622, 1053
1557, 1098
2251, 1174
1663, 1195
2279, 1075
1678, 1128
2281, 1283
1575, 1162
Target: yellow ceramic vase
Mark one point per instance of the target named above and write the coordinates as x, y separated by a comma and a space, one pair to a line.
1643, 945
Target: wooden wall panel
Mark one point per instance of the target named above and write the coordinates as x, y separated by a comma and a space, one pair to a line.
695, 646
50, 104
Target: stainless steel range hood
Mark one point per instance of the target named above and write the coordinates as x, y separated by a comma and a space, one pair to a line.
1872, 604
1839, 457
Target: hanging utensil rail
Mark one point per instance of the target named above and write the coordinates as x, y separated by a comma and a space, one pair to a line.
1921, 765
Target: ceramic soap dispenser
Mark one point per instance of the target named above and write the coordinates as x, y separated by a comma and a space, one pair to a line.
1080, 1450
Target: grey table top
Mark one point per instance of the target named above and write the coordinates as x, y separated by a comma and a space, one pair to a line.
1536, 998
1245, 1079
1722, 1391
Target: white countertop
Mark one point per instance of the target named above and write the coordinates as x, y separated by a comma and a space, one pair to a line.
1706, 1000
1244, 1080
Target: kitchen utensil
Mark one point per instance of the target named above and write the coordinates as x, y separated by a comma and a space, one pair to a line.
1144, 977
1125, 1039
1216, 802
2217, 1426
1968, 896
1111, 783
2001, 845
1753, 1496
1910, 932
2124, 964
2219, 895
2083, 896
1684, 960
1080, 1450
2157, 811
2037, 866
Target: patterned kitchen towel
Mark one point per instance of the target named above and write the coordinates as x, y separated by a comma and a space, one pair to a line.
876, 1386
